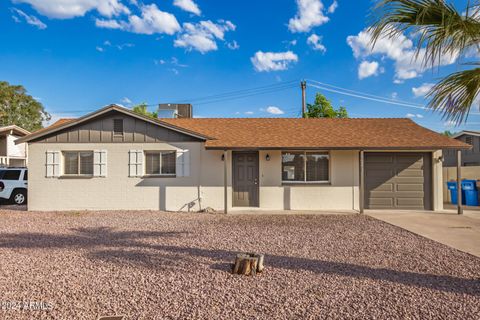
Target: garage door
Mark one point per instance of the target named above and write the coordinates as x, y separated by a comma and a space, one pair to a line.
398, 181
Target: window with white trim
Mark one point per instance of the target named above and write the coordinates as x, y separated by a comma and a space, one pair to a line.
160, 162
305, 167
78, 163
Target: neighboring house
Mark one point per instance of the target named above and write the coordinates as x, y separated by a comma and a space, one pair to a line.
11, 154
116, 159
470, 157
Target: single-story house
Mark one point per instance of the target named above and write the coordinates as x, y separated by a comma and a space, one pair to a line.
116, 159
470, 157
11, 154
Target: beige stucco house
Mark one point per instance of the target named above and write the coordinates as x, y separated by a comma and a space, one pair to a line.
116, 159
12, 154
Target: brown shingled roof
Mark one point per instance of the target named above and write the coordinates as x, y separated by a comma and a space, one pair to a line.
316, 133
57, 123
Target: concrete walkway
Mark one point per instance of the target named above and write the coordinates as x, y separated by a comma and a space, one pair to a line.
461, 232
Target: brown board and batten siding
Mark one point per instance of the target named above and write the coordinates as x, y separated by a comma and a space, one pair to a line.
101, 130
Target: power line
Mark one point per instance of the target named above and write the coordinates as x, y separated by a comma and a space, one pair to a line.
363, 93
367, 96
399, 103
260, 89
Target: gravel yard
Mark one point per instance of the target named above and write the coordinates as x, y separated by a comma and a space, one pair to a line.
155, 265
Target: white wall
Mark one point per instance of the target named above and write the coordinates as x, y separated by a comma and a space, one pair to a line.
203, 188
15, 150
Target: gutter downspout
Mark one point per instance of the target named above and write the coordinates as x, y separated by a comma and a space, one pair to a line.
225, 193
362, 181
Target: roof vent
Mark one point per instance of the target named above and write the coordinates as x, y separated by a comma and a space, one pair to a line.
175, 110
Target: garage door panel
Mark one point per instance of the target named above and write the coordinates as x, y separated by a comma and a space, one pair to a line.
416, 187
386, 158
386, 187
410, 202
397, 180
409, 172
386, 202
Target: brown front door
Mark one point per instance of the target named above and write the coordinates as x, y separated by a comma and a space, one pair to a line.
245, 179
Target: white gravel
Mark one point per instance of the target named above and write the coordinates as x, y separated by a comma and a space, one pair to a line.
155, 265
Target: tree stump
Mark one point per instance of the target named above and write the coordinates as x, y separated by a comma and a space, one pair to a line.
248, 264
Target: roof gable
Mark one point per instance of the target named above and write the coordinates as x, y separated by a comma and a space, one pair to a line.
466, 133
65, 124
14, 128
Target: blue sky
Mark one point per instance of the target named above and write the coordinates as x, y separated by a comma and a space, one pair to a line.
76, 56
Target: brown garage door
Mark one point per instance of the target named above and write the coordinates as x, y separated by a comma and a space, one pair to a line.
398, 181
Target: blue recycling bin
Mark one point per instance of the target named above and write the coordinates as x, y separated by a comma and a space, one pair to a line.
452, 186
469, 188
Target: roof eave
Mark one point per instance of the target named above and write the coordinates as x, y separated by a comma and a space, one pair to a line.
366, 148
104, 110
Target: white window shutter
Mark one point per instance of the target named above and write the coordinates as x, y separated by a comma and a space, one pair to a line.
183, 163
52, 165
139, 163
135, 163
100, 163
186, 163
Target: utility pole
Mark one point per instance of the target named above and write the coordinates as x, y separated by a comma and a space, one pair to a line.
303, 85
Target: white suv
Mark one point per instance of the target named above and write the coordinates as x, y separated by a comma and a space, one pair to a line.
13, 184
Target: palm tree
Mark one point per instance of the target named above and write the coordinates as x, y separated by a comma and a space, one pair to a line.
440, 30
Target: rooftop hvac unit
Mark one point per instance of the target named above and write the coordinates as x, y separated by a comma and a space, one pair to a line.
175, 110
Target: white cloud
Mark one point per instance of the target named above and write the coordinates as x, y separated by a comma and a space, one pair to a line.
188, 5
315, 42
124, 45
99, 49
126, 100
175, 62
111, 24
333, 7
274, 110
394, 95
153, 20
422, 90
400, 49
412, 115
367, 69
203, 36
31, 20
273, 61
249, 112
65, 9
233, 45
309, 14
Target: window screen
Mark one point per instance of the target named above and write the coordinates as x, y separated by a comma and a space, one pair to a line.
293, 166
78, 163
160, 162
305, 166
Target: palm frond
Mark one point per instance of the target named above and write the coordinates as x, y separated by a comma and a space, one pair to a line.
455, 94
439, 28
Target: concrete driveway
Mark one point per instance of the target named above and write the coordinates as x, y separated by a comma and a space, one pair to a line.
461, 232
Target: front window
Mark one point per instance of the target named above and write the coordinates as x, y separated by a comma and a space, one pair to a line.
78, 163
299, 166
160, 162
